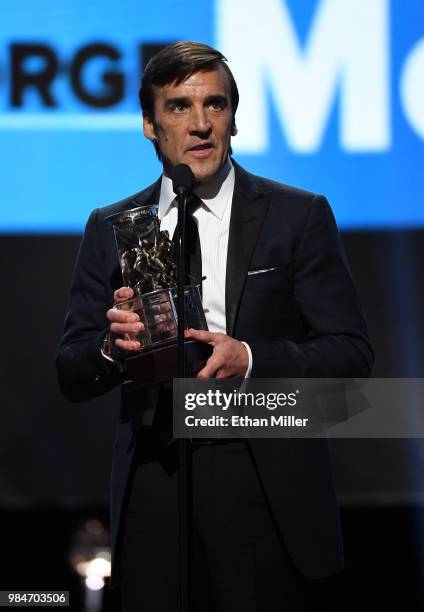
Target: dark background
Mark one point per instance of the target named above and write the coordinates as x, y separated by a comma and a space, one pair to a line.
56, 456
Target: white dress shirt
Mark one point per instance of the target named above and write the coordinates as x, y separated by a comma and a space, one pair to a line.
213, 222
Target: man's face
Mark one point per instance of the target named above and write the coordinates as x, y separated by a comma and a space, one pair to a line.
193, 123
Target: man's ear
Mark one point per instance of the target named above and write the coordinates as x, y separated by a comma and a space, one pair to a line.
234, 130
149, 127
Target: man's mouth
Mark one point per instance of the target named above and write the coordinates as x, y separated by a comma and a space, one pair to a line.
201, 147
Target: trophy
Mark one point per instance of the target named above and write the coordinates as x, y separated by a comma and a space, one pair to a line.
146, 260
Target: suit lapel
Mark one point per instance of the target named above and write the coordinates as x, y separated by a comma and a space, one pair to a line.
150, 195
249, 208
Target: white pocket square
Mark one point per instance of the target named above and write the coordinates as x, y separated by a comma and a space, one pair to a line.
262, 271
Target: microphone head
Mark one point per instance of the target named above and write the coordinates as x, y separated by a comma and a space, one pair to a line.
182, 179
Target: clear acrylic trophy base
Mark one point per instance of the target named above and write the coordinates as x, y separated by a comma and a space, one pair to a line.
156, 362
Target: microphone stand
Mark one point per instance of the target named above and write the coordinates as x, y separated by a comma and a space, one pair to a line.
185, 473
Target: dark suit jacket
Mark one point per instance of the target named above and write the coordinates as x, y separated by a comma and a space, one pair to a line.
301, 319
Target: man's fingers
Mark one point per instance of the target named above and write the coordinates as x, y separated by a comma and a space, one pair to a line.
124, 324
212, 366
114, 315
127, 345
122, 294
126, 328
222, 373
200, 335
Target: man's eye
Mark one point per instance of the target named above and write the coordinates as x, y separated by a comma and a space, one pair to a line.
179, 108
217, 106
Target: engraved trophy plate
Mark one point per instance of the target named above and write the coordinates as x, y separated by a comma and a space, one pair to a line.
147, 266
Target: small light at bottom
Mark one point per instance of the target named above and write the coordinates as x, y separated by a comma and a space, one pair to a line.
94, 583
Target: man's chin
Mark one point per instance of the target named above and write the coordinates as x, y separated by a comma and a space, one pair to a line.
204, 172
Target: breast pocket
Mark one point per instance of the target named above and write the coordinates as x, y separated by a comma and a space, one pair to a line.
271, 285
267, 303
269, 275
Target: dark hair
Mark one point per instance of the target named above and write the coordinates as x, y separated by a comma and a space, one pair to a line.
177, 62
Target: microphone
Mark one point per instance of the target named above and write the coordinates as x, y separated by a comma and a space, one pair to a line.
182, 180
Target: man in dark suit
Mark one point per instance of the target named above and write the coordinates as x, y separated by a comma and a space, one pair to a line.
280, 302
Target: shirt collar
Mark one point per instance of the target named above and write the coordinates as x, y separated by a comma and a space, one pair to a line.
215, 195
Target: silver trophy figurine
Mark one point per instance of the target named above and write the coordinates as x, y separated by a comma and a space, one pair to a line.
147, 265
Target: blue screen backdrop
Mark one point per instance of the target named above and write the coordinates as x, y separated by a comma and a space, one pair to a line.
332, 100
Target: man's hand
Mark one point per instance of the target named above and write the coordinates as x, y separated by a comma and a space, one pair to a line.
229, 358
123, 323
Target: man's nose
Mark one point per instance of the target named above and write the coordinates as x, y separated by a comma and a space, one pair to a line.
200, 123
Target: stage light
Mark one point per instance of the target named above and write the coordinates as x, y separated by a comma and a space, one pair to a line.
90, 557
94, 583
